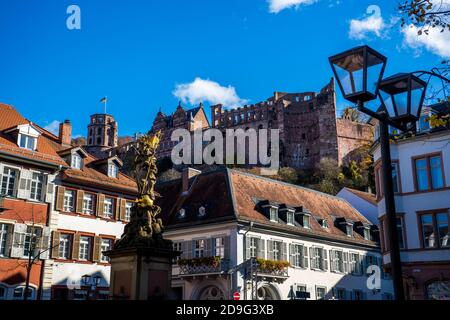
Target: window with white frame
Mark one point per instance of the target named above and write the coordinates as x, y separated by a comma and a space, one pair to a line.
128, 207
37, 182
4, 228
113, 170
349, 230
27, 142
65, 244
253, 247
337, 260
273, 214
30, 240
355, 263
306, 221
108, 208
219, 247
88, 203
9, 179
367, 233
290, 218
199, 248
106, 246
277, 250
298, 255
85, 248
320, 293
318, 258
76, 161
69, 200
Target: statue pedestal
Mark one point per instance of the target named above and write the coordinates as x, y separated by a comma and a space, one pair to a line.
142, 273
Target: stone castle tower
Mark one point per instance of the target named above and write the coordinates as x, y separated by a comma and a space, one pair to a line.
102, 134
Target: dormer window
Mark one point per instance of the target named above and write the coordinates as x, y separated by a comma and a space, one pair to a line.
27, 142
201, 212
349, 230
76, 161
26, 135
273, 214
367, 233
290, 218
113, 170
306, 221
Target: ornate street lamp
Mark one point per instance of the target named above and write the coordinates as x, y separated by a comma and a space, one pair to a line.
402, 96
359, 74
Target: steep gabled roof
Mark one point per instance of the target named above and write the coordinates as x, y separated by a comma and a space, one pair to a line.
233, 195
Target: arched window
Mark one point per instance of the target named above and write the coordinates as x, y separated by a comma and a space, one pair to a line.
99, 131
99, 140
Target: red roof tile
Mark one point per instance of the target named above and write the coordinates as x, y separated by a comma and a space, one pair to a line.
230, 194
46, 145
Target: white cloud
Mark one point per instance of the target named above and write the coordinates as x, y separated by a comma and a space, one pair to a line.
370, 24
276, 6
53, 127
436, 41
201, 90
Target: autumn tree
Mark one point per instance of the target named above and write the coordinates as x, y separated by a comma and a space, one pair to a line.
425, 14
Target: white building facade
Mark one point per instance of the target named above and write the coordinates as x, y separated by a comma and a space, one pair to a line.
421, 179
93, 203
300, 247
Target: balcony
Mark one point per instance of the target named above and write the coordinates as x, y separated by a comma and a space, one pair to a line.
203, 267
270, 270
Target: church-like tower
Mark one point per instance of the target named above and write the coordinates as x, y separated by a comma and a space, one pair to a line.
102, 133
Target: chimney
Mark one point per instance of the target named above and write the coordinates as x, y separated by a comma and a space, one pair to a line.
187, 174
65, 132
275, 96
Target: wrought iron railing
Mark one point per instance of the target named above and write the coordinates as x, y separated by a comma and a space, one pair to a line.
192, 269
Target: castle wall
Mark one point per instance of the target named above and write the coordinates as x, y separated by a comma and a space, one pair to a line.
351, 136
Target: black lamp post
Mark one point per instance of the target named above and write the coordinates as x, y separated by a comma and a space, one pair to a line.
359, 73
91, 287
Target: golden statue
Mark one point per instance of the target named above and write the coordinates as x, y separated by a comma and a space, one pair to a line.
145, 228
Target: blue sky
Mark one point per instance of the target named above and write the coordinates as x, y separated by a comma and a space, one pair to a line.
138, 53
